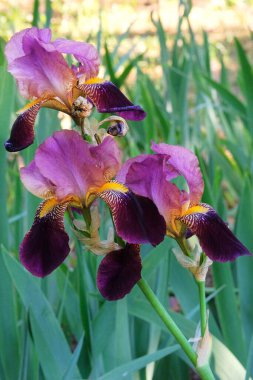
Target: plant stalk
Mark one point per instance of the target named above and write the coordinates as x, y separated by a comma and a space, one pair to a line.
205, 371
202, 305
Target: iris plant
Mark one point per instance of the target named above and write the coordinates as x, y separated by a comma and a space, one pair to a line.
69, 172
71, 175
44, 76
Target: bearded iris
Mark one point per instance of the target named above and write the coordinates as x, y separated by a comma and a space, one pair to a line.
69, 172
44, 76
152, 176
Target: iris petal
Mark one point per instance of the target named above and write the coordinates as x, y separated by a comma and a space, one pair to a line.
216, 239
22, 132
118, 272
45, 246
136, 218
108, 98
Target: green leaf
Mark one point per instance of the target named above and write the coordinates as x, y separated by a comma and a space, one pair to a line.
51, 345
228, 312
74, 359
244, 264
135, 365
9, 339
247, 81
36, 13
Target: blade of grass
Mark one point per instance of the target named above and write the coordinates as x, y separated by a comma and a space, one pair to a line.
49, 340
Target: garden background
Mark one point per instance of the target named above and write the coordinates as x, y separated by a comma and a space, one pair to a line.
189, 65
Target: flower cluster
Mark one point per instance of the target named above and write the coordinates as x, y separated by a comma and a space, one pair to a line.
70, 174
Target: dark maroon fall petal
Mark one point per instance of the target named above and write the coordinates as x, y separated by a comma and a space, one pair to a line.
136, 218
109, 99
215, 237
45, 246
22, 132
119, 271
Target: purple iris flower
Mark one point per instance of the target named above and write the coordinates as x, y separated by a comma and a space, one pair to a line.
69, 172
43, 76
152, 176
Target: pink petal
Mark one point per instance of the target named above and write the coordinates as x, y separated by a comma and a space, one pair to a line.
14, 48
185, 164
109, 157
148, 175
35, 182
85, 53
72, 165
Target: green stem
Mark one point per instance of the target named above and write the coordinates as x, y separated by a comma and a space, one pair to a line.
168, 321
183, 245
205, 371
202, 304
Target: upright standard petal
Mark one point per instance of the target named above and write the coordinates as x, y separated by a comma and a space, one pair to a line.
216, 239
72, 165
108, 157
45, 246
147, 175
108, 98
85, 53
41, 72
118, 272
185, 164
136, 218
15, 49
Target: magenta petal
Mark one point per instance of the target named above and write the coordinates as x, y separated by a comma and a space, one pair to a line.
108, 98
22, 132
42, 71
72, 165
85, 53
215, 237
14, 48
45, 246
118, 272
148, 175
35, 182
108, 157
136, 218
186, 164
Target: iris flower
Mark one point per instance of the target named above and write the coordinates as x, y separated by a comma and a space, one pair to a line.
44, 76
69, 172
152, 176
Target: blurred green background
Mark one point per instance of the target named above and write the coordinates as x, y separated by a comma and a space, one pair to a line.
190, 67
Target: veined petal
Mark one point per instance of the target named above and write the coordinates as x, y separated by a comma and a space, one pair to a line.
45, 246
119, 271
216, 239
108, 98
85, 53
136, 218
22, 132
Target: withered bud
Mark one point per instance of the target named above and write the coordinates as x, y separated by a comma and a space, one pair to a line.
117, 128
81, 108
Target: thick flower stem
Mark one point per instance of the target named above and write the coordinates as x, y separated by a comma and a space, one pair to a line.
202, 305
205, 371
